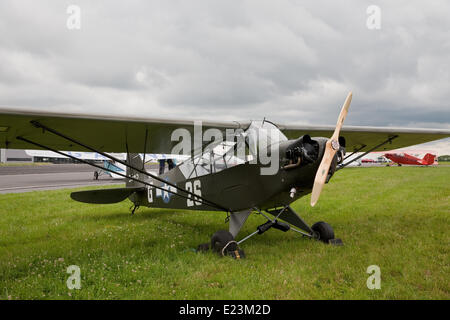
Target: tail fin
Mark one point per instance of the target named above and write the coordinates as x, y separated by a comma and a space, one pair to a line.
429, 159
134, 160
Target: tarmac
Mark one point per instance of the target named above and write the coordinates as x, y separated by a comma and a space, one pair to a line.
26, 178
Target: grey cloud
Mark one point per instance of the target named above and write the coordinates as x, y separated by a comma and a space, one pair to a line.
290, 61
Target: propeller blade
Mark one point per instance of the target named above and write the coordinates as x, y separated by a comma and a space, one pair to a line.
331, 147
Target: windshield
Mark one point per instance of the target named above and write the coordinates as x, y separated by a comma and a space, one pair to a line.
263, 133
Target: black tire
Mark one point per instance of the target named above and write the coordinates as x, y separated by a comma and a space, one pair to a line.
220, 239
324, 231
95, 175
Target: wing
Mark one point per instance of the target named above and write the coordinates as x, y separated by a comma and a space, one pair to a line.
104, 133
153, 135
375, 138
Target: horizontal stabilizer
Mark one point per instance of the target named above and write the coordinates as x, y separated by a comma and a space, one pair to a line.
104, 196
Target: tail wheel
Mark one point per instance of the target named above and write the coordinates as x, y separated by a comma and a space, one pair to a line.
324, 231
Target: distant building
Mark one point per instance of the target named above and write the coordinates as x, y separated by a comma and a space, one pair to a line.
20, 156
12, 155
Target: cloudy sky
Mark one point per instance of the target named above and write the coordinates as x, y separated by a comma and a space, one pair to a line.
288, 61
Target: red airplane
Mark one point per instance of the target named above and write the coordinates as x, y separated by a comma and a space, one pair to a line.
404, 158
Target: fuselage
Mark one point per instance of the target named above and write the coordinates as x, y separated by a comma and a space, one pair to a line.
236, 188
404, 158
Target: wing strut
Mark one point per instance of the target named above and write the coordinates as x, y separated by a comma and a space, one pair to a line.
39, 125
205, 201
355, 151
389, 140
115, 172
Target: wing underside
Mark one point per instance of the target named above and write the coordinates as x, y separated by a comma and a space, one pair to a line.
374, 138
105, 133
135, 135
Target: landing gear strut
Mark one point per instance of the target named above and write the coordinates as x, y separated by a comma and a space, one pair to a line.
134, 207
266, 226
320, 231
224, 243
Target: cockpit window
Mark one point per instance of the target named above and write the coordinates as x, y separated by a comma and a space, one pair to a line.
227, 154
212, 160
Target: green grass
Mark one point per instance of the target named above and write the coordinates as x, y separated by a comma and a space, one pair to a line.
396, 217
21, 164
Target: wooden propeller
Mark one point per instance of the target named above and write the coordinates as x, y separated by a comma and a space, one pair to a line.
331, 147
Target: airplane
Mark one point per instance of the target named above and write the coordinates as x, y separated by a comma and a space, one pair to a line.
111, 168
356, 163
217, 176
403, 158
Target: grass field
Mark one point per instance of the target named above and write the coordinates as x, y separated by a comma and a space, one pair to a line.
20, 164
396, 218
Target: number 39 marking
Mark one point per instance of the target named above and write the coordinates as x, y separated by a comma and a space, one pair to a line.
195, 188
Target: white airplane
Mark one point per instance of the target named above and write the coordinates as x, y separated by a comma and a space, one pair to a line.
109, 165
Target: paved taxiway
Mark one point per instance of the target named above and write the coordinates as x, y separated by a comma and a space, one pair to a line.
15, 179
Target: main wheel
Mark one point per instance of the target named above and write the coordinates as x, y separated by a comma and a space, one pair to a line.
220, 239
95, 175
324, 231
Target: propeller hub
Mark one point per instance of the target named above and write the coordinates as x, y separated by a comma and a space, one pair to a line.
335, 144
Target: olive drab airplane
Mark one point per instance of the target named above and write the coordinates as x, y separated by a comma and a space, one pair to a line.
214, 178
